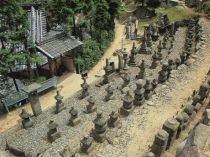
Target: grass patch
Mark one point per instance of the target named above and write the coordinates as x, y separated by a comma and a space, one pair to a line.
174, 14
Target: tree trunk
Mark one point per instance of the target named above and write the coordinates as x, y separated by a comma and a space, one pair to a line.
37, 70
30, 73
91, 32
81, 33
15, 82
2, 43
74, 26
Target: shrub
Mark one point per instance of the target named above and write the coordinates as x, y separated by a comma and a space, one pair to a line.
91, 51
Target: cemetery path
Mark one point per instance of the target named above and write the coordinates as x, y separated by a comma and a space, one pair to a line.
71, 82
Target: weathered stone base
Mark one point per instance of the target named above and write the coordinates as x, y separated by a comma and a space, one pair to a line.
99, 137
93, 109
54, 136
186, 119
87, 151
154, 65
160, 143
27, 124
107, 98
116, 124
61, 108
207, 117
197, 107
83, 95
148, 95
171, 127
14, 150
139, 103
126, 112
162, 79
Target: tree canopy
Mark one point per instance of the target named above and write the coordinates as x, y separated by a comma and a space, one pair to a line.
15, 44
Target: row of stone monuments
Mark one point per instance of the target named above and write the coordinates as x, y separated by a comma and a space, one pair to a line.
193, 37
173, 127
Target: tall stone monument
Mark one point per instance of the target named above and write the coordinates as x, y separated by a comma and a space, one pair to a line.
100, 130
34, 98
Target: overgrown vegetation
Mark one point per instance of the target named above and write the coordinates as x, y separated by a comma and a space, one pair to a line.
206, 6
176, 13
173, 13
16, 46
92, 50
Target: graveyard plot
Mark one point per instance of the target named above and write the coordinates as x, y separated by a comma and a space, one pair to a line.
137, 130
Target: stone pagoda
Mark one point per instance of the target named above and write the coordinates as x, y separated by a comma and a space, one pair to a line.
163, 74
53, 134
74, 119
110, 93
127, 107
141, 74
86, 144
100, 130
26, 121
59, 103
126, 80
91, 107
148, 89
114, 120
139, 93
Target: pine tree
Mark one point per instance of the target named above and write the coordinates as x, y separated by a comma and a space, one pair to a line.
16, 46
63, 12
114, 9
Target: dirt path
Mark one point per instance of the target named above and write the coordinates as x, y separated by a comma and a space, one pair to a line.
70, 82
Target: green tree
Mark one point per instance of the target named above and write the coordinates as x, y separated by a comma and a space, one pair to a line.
63, 12
16, 46
101, 19
114, 9
88, 54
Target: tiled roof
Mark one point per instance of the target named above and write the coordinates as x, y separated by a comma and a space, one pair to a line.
58, 45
